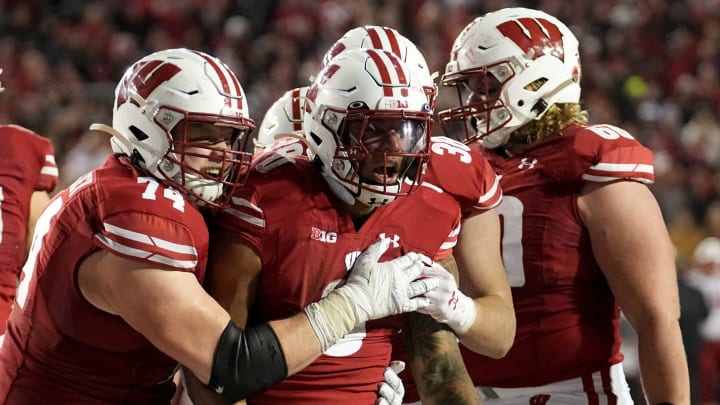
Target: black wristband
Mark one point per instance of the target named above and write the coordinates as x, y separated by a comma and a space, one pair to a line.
246, 362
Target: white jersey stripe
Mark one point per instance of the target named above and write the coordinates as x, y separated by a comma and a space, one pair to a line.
246, 217
492, 192
181, 264
174, 247
245, 203
455, 232
448, 245
50, 171
129, 251
623, 167
50, 159
431, 186
604, 179
150, 240
127, 234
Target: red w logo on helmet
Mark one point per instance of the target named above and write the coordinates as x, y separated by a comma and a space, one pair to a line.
535, 36
145, 78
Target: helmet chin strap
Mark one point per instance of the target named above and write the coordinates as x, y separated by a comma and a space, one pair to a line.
205, 188
114, 133
339, 190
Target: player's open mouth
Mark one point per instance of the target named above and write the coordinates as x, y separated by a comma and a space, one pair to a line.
386, 173
210, 171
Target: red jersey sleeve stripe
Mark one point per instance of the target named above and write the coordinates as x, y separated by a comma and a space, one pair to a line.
247, 212
125, 250
493, 194
150, 240
604, 172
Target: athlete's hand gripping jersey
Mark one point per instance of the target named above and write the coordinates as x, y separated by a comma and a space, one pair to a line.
307, 243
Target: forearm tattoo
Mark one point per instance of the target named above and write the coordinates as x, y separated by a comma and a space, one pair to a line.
434, 345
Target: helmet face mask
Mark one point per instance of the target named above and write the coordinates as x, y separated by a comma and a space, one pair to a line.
367, 126
164, 94
206, 153
534, 59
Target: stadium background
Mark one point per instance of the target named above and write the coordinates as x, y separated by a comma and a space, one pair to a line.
649, 66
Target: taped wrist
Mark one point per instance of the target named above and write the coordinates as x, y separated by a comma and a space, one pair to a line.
246, 361
331, 318
465, 317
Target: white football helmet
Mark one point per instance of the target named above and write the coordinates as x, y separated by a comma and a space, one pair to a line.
387, 39
363, 111
520, 61
285, 116
170, 86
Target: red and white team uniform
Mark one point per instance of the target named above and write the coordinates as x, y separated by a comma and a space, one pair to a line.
59, 347
27, 164
462, 173
307, 243
466, 176
568, 324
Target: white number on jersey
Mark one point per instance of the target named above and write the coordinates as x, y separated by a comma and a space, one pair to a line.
610, 132
511, 210
42, 227
442, 145
171, 194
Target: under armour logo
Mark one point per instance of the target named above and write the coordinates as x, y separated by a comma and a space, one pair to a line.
395, 240
529, 163
453, 301
374, 202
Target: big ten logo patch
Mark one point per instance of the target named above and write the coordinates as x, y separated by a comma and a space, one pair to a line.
323, 236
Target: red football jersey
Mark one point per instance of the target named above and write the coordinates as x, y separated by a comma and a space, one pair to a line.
59, 347
27, 164
463, 173
307, 244
567, 318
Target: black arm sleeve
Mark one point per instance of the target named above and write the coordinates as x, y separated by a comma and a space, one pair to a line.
246, 362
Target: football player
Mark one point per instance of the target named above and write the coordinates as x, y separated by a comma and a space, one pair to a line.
301, 219
28, 174
582, 234
283, 119
111, 298
486, 322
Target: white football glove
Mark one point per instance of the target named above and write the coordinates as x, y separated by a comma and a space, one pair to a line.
447, 304
373, 290
392, 390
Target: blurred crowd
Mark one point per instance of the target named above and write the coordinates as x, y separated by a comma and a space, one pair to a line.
649, 66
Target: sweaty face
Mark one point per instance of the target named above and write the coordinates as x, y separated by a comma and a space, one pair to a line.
389, 145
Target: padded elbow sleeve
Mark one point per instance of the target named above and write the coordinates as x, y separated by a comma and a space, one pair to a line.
246, 361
